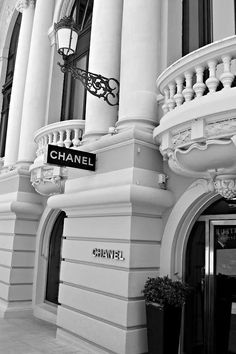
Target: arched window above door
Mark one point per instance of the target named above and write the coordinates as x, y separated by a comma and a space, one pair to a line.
7, 87
74, 94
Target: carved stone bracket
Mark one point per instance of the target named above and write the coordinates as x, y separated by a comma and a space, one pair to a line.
225, 185
48, 180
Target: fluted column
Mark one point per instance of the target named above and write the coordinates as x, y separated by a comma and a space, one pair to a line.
36, 86
104, 59
18, 86
140, 64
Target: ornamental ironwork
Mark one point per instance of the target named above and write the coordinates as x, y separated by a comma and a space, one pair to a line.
97, 84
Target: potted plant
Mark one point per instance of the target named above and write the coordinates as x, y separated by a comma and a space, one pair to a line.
164, 299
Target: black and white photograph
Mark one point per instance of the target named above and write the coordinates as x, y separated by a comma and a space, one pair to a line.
117, 176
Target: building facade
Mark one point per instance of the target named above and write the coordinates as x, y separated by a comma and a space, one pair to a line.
77, 245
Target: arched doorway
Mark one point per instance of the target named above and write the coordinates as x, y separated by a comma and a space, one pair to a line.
54, 260
210, 268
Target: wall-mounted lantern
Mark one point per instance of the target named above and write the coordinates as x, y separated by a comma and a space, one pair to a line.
67, 33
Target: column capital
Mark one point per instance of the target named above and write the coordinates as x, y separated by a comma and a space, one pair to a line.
24, 4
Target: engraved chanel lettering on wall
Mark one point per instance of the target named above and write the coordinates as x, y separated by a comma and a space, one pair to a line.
108, 253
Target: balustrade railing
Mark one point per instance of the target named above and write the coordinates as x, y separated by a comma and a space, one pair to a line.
66, 134
204, 71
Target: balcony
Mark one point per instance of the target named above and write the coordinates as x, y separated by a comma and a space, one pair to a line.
50, 179
198, 128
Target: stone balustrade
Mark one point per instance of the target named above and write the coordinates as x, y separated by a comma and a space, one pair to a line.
202, 72
50, 179
66, 134
198, 127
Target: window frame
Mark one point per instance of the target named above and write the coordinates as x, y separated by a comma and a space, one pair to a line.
83, 45
205, 24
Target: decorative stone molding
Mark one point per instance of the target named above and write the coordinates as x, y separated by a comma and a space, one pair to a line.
225, 185
181, 137
24, 4
48, 180
203, 130
223, 126
206, 184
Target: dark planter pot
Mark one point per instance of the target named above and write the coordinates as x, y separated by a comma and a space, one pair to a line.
163, 329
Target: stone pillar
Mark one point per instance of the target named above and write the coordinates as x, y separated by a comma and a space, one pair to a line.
140, 64
18, 87
112, 239
104, 59
20, 211
36, 86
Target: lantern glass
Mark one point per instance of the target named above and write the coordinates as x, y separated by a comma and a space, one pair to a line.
66, 41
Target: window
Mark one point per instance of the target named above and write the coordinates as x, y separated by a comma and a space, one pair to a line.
197, 24
74, 94
6, 89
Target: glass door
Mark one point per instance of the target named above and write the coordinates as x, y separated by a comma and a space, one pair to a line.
221, 274
210, 269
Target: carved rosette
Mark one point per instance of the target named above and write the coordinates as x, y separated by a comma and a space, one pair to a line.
225, 185
24, 4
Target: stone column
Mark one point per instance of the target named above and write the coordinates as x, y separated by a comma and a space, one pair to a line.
104, 59
140, 64
36, 86
18, 86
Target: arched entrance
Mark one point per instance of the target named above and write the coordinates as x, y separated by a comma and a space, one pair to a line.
210, 268
54, 260
47, 269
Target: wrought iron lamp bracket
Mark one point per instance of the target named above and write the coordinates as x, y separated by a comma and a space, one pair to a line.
98, 85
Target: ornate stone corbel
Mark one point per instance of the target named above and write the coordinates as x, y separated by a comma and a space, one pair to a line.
48, 180
24, 4
225, 185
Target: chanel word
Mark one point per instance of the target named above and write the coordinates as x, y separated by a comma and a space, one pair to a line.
57, 155
111, 254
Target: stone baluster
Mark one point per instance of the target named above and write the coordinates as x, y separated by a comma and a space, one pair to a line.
60, 141
67, 141
40, 147
76, 141
54, 141
227, 76
171, 100
188, 91
212, 82
165, 107
45, 141
50, 138
179, 95
81, 132
199, 86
